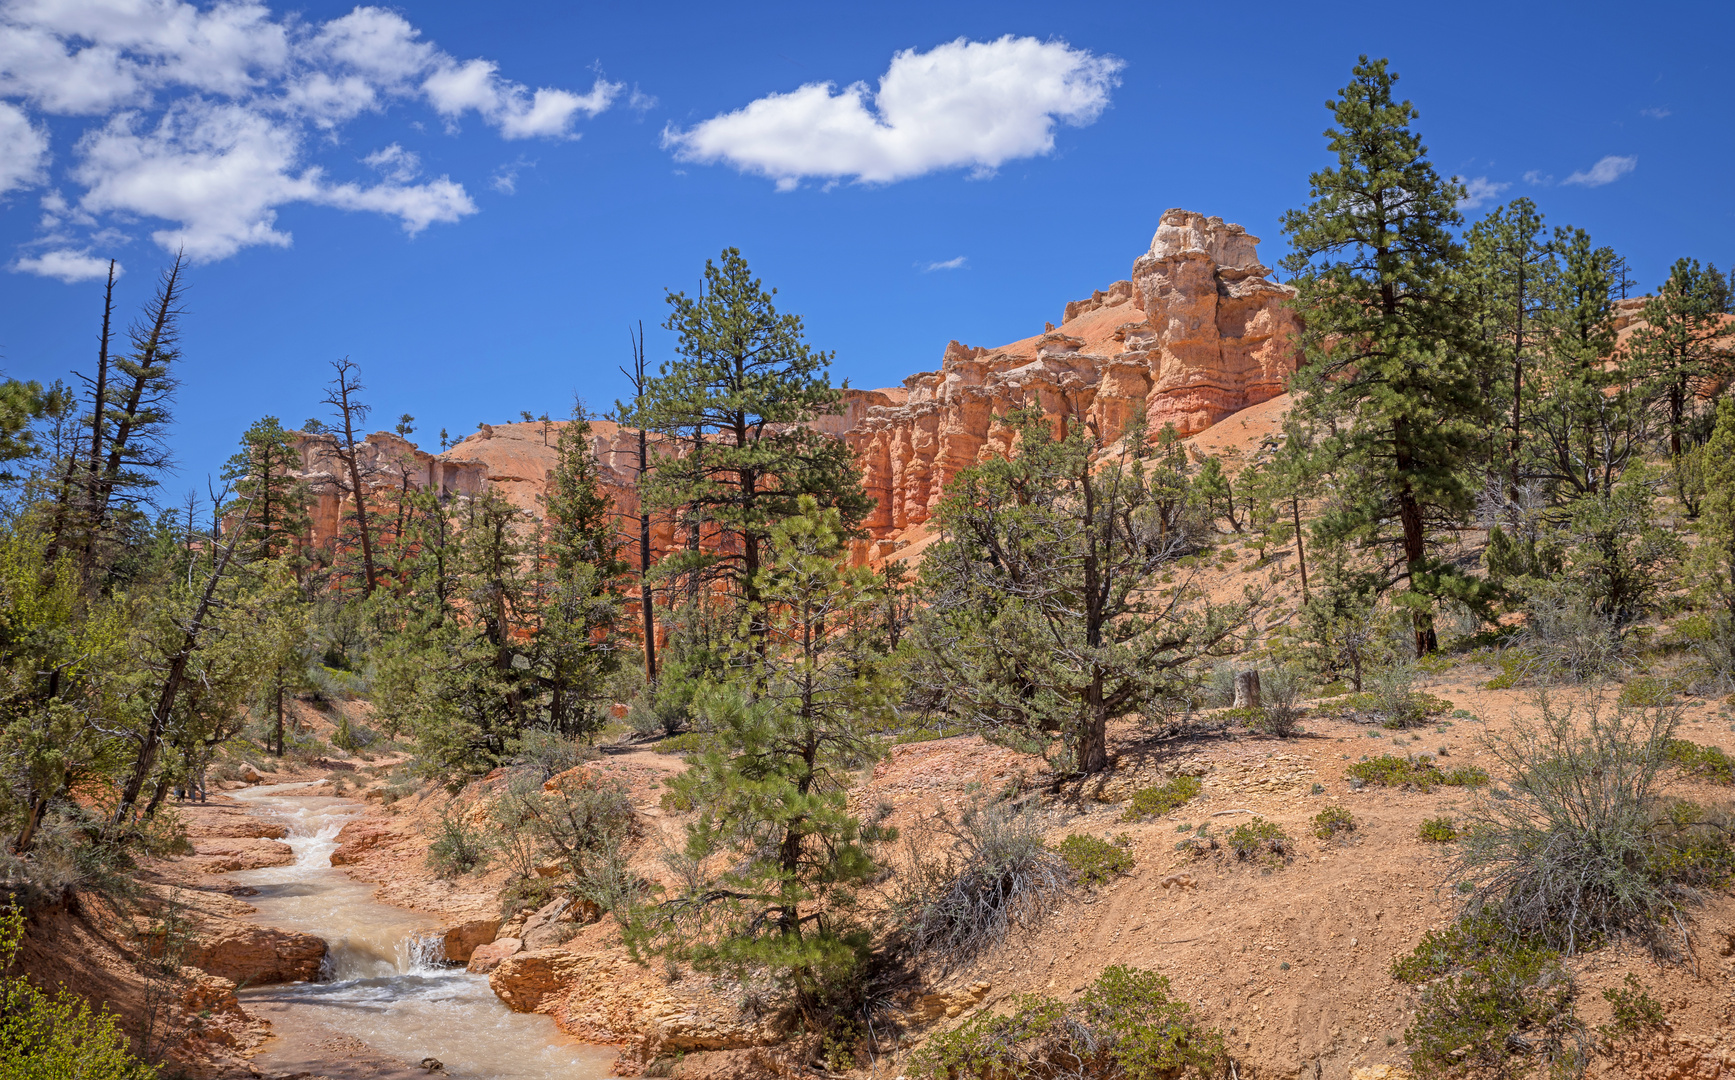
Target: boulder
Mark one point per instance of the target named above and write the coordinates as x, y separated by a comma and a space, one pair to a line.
485, 958
463, 939
359, 837
534, 981
558, 922
227, 854
249, 955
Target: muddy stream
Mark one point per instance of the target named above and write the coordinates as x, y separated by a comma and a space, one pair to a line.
384, 982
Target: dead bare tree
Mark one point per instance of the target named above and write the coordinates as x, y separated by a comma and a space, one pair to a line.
638, 377
351, 414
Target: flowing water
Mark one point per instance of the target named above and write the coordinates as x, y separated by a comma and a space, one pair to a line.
383, 981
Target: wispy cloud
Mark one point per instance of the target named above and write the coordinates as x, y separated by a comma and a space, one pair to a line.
505, 178
950, 264
1481, 191
1537, 178
1658, 113
1606, 171
966, 104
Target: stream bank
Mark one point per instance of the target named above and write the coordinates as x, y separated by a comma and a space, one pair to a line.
385, 1001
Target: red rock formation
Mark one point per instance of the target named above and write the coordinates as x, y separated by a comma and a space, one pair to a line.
1198, 333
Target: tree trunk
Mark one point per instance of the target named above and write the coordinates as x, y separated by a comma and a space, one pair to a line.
1093, 738
1247, 689
1300, 555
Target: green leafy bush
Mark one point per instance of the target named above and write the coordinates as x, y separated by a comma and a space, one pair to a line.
1487, 996
1703, 762
1331, 821
1126, 1025
1439, 830
1646, 691
1260, 841
1156, 801
1095, 861
1635, 1010
1418, 772
52, 1038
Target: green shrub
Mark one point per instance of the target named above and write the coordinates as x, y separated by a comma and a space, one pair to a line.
458, 847
1646, 691
1635, 1010
1126, 1025
1331, 821
1439, 830
50, 1038
1487, 996
1260, 841
1095, 861
1155, 801
1703, 762
1418, 772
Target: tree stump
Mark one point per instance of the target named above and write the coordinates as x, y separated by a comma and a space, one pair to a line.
1247, 689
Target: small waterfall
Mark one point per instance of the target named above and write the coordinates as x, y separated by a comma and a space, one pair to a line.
423, 953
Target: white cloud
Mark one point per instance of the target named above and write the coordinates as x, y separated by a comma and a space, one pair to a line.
1538, 179
1656, 114
23, 149
221, 172
950, 264
964, 104
458, 88
69, 266
505, 178
395, 163
1480, 192
1606, 171
640, 102
204, 113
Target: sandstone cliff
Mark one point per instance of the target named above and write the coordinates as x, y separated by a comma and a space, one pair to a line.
1198, 332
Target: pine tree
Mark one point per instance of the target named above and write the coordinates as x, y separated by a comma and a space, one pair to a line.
1681, 348
780, 857
1391, 360
746, 389
1511, 269
264, 473
578, 596
1585, 418
1045, 619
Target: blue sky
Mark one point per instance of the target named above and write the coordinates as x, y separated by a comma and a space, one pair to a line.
478, 238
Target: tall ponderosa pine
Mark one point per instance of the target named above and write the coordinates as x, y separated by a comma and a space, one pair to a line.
746, 388
1391, 359
1045, 618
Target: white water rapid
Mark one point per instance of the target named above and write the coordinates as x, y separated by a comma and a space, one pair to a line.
383, 981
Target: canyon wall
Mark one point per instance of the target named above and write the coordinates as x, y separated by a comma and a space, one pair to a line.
1196, 333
